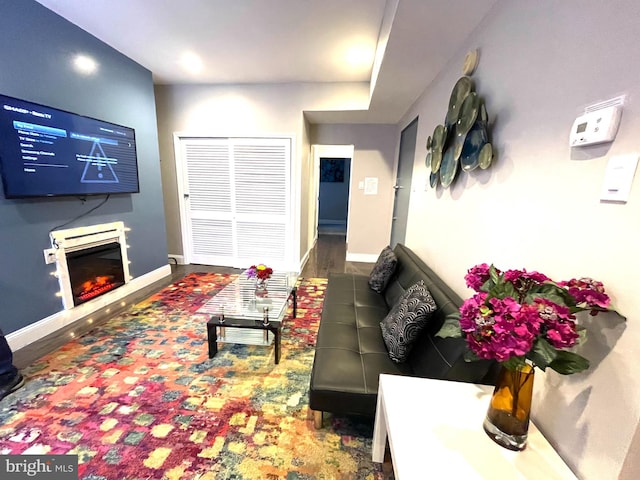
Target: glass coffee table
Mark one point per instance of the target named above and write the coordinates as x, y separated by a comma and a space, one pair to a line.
240, 306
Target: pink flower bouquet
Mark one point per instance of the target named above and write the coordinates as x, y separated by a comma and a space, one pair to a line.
518, 316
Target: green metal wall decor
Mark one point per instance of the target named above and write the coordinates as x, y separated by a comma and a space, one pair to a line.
462, 141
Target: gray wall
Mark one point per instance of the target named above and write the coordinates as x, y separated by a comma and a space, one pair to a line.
247, 110
374, 156
538, 207
36, 47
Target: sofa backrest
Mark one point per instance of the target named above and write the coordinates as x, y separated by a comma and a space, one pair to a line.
431, 356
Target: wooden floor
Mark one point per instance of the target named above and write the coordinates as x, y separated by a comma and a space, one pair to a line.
326, 257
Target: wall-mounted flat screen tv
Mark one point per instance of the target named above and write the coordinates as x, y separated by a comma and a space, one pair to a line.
46, 152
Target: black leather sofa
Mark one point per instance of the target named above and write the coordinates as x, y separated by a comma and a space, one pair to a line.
351, 354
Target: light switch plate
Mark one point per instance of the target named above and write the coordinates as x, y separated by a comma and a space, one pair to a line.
370, 185
619, 177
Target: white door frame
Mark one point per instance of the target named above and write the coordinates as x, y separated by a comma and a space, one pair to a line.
328, 151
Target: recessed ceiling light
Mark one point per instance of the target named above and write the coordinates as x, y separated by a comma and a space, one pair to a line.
85, 64
191, 62
359, 56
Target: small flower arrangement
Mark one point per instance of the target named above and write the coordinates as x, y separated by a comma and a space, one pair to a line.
261, 272
518, 317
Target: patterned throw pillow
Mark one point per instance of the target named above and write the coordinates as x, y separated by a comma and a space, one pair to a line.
405, 321
383, 269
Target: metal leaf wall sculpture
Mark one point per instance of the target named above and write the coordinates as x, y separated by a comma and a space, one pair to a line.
462, 142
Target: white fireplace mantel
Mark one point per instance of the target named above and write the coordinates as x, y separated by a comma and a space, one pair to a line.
74, 239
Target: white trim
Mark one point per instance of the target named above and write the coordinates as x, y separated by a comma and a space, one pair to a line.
294, 203
40, 329
362, 257
314, 186
180, 180
304, 261
334, 151
188, 134
178, 258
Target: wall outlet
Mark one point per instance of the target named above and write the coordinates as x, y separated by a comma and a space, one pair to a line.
49, 255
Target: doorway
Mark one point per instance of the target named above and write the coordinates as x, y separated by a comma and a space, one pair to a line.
333, 197
332, 172
403, 183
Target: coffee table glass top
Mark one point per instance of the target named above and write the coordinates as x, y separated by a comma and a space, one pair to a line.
239, 300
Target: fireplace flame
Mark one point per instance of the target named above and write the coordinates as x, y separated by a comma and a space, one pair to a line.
96, 286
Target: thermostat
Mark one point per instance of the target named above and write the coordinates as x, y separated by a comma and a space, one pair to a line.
597, 126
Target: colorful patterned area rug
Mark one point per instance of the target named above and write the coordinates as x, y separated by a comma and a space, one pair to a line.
138, 398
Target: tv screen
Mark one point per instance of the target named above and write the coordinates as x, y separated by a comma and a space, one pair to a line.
47, 152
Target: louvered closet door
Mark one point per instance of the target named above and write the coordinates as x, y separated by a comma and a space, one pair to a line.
262, 193
208, 202
236, 200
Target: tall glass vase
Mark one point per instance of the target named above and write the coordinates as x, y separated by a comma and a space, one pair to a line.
507, 420
261, 284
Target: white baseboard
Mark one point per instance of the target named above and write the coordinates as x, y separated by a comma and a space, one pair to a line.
40, 329
362, 257
304, 261
178, 258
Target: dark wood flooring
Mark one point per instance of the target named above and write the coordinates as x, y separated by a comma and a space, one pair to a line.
327, 256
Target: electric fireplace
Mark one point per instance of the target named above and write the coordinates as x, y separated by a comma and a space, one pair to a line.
94, 271
90, 261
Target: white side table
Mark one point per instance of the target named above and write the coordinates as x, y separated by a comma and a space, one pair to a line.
435, 431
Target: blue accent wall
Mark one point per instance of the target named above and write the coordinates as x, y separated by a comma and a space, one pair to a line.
36, 51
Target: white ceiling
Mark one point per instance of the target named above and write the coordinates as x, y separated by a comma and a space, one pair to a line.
278, 41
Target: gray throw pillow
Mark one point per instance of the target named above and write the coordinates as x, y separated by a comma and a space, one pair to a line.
406, 320
383, 270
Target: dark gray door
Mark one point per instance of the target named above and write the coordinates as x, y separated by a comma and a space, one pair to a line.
403, 182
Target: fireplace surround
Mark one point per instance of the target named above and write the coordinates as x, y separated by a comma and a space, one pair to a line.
90, 261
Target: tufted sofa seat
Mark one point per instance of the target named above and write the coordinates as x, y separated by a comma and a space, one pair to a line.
350, 351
